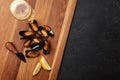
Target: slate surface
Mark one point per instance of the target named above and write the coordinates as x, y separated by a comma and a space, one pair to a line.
93, 48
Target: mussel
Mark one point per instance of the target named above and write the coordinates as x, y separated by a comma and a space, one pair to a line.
37, 44
34, 42
46, 47
34, 26
49, 30
32, 53
44, 34
26, 34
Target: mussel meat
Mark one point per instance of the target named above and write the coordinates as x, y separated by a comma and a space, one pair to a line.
44, 34
27, 43
31, 53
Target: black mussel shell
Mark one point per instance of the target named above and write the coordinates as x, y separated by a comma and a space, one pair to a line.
40, 28
26, 33
22, 33
32, 54
41, 44
46, 47
34, 26
27, 43
35, 47
51, 33
26, 37
35, 22
49, 30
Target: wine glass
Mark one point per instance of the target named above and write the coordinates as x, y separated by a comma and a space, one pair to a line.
21, 10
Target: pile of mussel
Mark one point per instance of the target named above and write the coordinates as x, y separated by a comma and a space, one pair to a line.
36, 39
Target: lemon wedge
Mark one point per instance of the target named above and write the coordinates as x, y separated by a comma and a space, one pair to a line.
44, 64
37, 69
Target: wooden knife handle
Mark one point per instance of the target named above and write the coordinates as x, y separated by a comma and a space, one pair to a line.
11, 47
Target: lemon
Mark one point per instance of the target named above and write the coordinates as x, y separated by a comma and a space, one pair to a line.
37, 69
44, 64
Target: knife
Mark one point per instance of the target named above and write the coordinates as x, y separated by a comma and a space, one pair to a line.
11, 47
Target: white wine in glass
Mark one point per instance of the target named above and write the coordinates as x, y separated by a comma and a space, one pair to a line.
21, 10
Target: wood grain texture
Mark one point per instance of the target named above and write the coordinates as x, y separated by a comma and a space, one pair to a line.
55, 13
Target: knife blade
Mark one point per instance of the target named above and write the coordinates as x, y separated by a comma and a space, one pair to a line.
21, 56
11, 47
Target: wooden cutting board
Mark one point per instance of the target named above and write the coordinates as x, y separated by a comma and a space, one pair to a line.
55, 13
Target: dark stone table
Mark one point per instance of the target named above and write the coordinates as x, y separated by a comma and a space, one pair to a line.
93, 48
